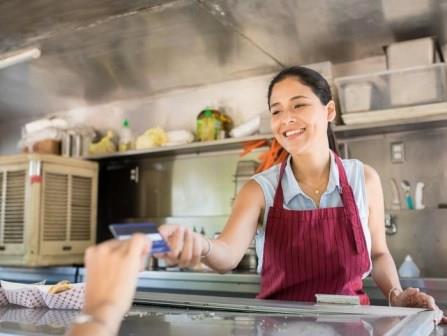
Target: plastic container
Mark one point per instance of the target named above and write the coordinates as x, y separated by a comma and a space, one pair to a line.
409, 269
357, 97
421, 85
126, 137
412, 53
379, 97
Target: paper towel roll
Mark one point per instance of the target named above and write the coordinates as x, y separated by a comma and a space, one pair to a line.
246, 128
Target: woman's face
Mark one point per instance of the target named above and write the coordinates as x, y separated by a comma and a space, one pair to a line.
299, 119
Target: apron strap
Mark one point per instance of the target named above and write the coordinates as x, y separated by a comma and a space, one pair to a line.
350, 206
279, 195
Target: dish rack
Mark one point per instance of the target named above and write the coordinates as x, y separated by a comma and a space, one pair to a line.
47, 209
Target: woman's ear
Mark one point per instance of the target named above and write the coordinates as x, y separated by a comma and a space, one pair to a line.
331, 111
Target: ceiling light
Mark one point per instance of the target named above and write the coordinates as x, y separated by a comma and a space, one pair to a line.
19, 57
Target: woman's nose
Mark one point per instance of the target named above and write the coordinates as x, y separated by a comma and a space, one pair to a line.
288, 118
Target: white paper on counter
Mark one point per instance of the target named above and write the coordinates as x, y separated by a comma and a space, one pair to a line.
3, 298
27, 295
69, 299
8, 285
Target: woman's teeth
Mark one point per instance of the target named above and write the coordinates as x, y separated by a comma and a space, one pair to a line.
294, 132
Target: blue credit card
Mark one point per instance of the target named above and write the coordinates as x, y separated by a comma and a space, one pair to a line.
125, 231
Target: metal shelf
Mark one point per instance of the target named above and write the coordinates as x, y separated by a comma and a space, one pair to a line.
392, 126
342, 132
192, 148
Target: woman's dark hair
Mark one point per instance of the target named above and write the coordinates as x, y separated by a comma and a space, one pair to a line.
316, 82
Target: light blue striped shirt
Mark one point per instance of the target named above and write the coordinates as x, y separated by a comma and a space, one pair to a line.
296, 199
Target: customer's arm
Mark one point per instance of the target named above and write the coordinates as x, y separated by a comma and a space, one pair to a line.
112, 272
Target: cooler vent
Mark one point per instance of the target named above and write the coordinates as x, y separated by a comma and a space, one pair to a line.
12, 211
55, 207
81, 208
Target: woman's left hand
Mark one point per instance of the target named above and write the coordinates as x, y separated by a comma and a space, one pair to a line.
413, 297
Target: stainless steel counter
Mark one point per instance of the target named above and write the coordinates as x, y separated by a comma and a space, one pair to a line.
237, 283
172, 314
436, 287
230, 284
234, 284
247, 285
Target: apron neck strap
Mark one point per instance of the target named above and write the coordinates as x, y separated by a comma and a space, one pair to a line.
279, 194
343, 179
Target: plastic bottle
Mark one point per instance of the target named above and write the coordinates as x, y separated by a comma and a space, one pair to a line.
409, 269
126, 137
208, 125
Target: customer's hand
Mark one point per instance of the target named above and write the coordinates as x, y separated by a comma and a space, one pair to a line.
112, 272
413, 297
186, 246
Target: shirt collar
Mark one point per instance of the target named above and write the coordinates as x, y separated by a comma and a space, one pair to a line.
291, 187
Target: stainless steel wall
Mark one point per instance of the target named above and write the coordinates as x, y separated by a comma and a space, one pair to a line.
420, 233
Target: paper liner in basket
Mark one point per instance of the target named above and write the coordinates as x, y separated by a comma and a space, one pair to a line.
3, 298
69, 299
27, 295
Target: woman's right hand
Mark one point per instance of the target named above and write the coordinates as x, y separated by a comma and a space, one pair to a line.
413, 297
187, 247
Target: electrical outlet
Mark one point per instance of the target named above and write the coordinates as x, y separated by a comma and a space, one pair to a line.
397, 152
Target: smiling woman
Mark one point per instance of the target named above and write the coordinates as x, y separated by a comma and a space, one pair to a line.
312, 107
323, 222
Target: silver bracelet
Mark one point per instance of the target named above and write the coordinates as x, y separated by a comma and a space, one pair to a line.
389, 294
210, 248
83, 318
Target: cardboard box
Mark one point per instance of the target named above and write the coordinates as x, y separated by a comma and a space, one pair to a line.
48, 146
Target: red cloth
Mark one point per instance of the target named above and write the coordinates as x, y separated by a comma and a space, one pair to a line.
318, 251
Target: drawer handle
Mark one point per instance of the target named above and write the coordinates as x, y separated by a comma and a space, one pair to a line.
66, 248
2, 248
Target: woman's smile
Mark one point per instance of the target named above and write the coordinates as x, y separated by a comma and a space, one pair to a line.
293, 134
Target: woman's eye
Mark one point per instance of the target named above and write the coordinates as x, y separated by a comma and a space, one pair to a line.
298, 106
275, 112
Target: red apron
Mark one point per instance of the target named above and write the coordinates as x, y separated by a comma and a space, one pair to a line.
318, 251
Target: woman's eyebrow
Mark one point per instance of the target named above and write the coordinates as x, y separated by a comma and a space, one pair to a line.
297, 97
293, 98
